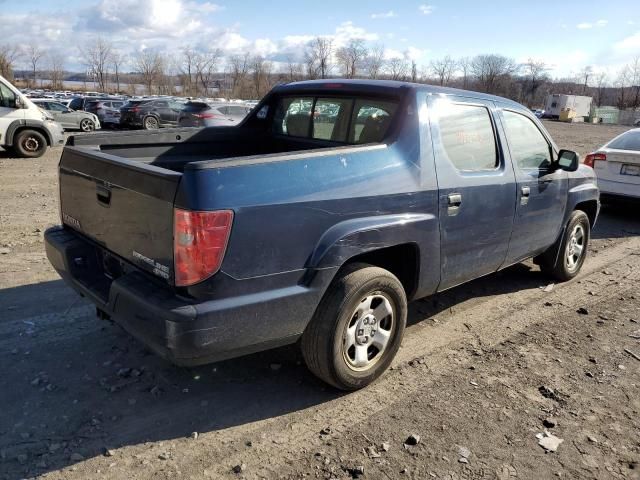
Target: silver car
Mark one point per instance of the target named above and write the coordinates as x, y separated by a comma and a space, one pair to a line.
617, 166
202, 114
69, 119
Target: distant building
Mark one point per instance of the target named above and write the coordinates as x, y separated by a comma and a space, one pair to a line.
557, 103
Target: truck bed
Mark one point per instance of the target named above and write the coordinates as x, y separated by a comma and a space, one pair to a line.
173, 149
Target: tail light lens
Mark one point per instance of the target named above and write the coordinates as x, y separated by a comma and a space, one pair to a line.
591, 159
205, 115
199, 243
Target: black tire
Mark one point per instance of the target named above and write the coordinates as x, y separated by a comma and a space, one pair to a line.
87, 125
150, 123
555, 261
29, 144
323, 341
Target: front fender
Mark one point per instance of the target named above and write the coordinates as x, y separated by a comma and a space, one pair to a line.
31, 123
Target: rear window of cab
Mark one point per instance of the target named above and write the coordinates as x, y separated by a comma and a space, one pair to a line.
336, 119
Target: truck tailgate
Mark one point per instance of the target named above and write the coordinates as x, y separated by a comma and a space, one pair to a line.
123, 205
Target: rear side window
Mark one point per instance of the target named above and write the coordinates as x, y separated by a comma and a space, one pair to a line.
529, 149
340, 119
467, 136
75, 104
627, 141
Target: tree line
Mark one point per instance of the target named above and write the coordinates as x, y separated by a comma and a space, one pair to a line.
247, 75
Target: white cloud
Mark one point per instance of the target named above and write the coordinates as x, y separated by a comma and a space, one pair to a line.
630, 44
389, 14
426, 9
587, 25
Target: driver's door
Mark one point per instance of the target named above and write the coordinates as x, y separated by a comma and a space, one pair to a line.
541, 189
61, 114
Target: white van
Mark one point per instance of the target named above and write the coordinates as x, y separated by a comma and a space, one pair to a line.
25, 129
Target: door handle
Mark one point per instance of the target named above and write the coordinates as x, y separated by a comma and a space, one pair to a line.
103, 194
524, 197
454, 200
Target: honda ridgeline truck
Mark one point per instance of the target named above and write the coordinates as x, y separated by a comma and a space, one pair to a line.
316, 219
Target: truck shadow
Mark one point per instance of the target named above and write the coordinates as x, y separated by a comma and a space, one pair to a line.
78, 385
618, 219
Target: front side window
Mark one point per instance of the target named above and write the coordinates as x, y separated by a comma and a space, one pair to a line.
7, 97
467, 136
56, 107
529, 149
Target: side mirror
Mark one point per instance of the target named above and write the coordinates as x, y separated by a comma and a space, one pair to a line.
19, 103
568, 160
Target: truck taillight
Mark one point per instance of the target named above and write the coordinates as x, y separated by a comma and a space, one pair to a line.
591, 159
199, 243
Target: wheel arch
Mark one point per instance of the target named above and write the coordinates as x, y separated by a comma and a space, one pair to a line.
20, 125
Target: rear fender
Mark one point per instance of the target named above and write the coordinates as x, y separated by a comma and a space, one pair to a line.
353, 237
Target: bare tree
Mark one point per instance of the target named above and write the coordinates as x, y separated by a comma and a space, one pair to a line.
601, 85
148, 64
293, 69
351, 57
56, 70
586, 75
535, 75
9, 54
239, 67
634, 81
117, 60
96, 55
464, 65
261, 72
621, 83
374, 63
443, 69
318, 57
490, 69
34, 54
397, 68
206, 64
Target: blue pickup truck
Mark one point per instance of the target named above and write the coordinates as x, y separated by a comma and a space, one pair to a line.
315, 220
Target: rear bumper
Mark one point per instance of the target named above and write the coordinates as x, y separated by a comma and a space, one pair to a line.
618, 189
182, 330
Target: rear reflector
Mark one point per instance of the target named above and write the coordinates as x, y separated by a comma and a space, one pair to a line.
199, 243
593, 157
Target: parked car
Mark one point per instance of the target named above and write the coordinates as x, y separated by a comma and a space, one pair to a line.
25, 129
201, 114
538, 112
68, 118
80, 103
617, 166
222, 241
150, 114
108, 111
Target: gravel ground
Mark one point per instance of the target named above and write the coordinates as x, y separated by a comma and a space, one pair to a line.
484, 368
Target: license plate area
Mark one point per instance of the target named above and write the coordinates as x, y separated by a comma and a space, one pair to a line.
633, 170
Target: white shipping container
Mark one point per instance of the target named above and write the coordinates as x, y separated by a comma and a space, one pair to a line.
557, 103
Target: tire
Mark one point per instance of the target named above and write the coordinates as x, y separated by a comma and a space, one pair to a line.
565, 258
150, 123
87, 125
344, 344
29, 144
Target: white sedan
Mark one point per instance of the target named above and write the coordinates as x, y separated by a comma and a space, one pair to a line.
617, 165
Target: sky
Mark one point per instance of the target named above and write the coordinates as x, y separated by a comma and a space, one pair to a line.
567, 35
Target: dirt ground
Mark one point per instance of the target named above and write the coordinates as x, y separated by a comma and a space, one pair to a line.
484, 369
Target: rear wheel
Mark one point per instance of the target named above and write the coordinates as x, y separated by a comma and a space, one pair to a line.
30, 144
564, 259
87, 125
357, 328
151, 123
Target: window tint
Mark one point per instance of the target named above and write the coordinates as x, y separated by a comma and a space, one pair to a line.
293, 116
467, 136
7, 97
627, 141
331, 119
529, 149
57, 107
75, 104
372, 120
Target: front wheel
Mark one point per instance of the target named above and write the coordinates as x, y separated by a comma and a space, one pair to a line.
87, 125
564, 260
30, 144
357, 328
